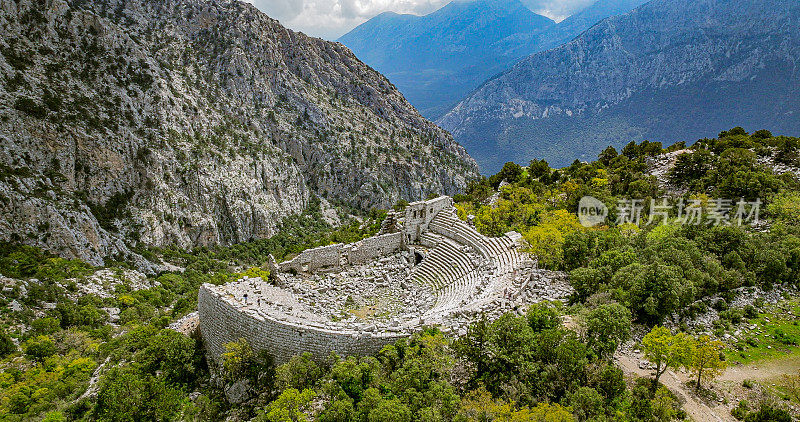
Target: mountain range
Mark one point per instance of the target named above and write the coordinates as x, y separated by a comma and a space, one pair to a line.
127, 123
669, 70
437, 59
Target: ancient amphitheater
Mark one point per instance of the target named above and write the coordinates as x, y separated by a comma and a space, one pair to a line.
426, 267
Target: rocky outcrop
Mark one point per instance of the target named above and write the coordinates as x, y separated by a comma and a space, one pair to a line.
193, 122
670, 70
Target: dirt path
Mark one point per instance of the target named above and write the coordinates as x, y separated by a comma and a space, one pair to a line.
770, 370
697, 410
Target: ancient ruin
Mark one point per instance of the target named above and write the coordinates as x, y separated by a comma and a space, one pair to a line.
425, 267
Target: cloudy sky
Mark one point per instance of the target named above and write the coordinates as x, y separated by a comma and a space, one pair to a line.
330, 19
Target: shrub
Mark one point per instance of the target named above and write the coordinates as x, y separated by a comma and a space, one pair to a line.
586, 403
127, 394
40, 347
740, 411
30, 107
7, 345
45, 326
733, 315
300, 372
785, 338
769, 413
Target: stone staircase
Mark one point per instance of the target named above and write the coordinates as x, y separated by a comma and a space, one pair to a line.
461, 261
499, 250
447, 262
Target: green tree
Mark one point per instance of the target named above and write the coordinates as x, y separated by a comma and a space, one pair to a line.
7, 345
40, 347
54, 417
586, 403
706, 362
173, 355
354, 376
509, 173
762, 134
666, 350
479, 406
611, 383
126, 394
45, 326
390, 411
543, 316
607, 155
786, 206
300, 372
605, 328
586, 282
236, 357
338, 411
291, 406
538, 168
654, 290
690, 167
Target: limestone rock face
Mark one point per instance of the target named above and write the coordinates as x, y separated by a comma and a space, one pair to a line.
193, 122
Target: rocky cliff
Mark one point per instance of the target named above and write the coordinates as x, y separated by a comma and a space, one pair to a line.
669, 70
192, 122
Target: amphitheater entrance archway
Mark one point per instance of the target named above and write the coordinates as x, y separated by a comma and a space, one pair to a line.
417, 258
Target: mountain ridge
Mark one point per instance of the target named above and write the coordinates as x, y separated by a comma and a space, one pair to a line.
395, 44
193, 123
445, 53
611, 85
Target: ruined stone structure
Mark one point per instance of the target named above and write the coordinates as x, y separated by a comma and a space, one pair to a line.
425, 267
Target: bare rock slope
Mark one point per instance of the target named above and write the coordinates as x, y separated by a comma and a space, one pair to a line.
193, 122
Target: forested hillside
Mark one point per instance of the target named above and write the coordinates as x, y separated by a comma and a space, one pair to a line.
107, 353
686, 261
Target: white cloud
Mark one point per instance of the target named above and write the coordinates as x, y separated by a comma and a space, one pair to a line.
557, 10
332, 18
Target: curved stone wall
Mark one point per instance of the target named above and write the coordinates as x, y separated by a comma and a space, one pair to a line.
356, 253
222, 321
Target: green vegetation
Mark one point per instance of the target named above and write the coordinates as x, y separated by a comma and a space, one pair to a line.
702, 355
766, 412
295, 234
69, 355
775, 333
518, 368
653, 269
149, 370
523, 367
30, 107
666, 350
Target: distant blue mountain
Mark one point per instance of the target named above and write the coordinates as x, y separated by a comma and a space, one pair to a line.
437, 59
671, 70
